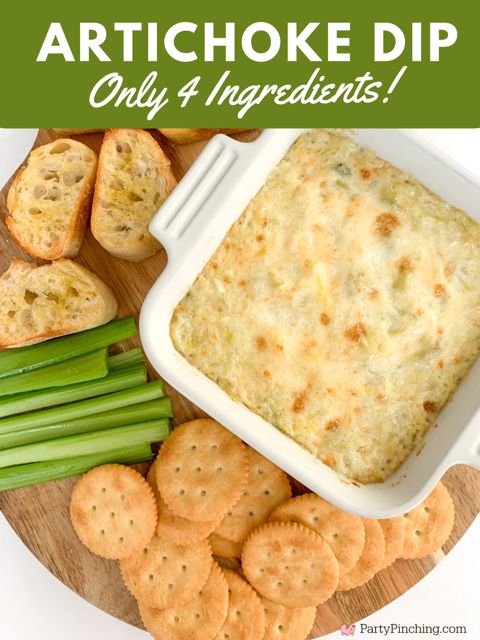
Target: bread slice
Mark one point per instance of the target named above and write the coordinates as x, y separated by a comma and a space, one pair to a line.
49, 200
134, 178
53, 300
185, 136
76, 132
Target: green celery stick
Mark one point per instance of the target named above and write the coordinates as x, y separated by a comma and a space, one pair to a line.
25, 475
121, 379
125, 359
90, 366
66, 412
120, 417
21, 359
87, 443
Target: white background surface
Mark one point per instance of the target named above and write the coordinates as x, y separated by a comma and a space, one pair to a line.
34, 605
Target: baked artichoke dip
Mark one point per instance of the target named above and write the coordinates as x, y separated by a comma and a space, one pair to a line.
343, 306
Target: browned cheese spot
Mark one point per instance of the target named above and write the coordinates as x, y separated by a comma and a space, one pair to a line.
448, 270
405, 265
385, 224
429, 406
356, 332
261, 343
324, 319
299, 403
366, 174
332, 425
439, 290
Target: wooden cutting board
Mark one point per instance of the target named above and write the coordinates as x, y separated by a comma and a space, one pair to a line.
40, 514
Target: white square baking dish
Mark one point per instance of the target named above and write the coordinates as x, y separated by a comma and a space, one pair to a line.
191, 225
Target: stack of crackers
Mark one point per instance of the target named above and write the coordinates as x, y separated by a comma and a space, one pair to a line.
214, 547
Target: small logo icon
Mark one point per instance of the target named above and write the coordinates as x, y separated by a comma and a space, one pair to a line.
347, 629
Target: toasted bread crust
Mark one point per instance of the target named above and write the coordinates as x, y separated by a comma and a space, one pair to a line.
186, 136
132, 247
64, 269
75, 132
68, 243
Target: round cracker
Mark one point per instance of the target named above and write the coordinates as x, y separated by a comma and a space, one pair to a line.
267, 486
174, 528
429, 525
203, 470
290, 564
371, 559
200, 619
282, 623
245, 618
166, 575
344, 532
113, 511
225, 548
394, 533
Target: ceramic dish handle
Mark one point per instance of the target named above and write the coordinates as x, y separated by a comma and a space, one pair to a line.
182, 218
171, 224
472, 456
467, 448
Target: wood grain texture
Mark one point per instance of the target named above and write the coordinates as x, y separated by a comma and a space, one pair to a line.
40, 514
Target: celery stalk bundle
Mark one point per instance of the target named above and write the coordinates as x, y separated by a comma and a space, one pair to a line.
67, 406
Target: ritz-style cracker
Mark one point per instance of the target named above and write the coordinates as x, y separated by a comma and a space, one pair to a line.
266, 488
283, 622
344, 532
245, 617
394, 534
172, 527
429, 525
113, 511
163, 574
371, 559
203, 470
223, 547
290, 564
199, 619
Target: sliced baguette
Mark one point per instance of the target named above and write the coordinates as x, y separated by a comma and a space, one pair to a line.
134, 178
185, 136
39, 303
49, 200
76, 132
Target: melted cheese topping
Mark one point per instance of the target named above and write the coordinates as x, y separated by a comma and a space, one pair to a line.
342, 306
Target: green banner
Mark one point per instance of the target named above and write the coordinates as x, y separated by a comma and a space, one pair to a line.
253, 64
